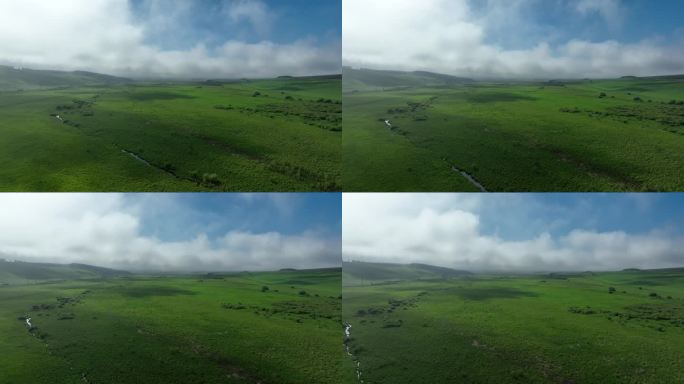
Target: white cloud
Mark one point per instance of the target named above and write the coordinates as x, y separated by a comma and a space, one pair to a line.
447, 36
445, 230
105, 230
611, 10
103, 36
254, 11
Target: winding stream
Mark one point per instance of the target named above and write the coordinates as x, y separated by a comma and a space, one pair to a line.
463, 173
347, 336
470, 178
140, 159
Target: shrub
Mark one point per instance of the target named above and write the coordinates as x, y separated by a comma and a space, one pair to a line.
637, 98
211, 179
611, 290
256, 94
303, 293
288, 97
264, 289
168, 167
602, 95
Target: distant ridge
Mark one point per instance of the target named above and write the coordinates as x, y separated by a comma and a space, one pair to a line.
373, 79
19, 78
663, 77
285, 77
358, 272
20, 272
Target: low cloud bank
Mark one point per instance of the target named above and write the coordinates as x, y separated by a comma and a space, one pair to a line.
105, 36
449, 36
446, 231
105, 230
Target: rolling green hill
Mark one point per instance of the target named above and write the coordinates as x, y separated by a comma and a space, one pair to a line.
248, 328
19, 272
592, 327
256, 135
362, 273
14, 79
562, 135
370, 79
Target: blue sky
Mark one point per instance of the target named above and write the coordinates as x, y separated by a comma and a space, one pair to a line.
517, 232
558, 21
177, 217
210, 21
523, 216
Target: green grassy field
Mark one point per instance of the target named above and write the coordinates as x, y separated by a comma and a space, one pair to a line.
262, 135
199, 329
612, 135
520, 329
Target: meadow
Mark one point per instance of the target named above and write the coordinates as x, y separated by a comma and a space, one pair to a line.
253, 135
590, 135
613, 327
271, 327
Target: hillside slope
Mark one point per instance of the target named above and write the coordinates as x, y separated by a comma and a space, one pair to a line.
14, 79
370, 79
19, 272
361, 273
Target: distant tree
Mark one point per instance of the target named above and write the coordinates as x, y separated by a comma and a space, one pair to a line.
256, 94
264, 289
611, 290
602, 95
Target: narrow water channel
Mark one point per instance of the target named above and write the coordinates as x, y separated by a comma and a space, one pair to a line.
470, 179
347, 337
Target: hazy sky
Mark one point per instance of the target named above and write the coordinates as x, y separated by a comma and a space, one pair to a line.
517, 38
173, 232
516, 232
174, 38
